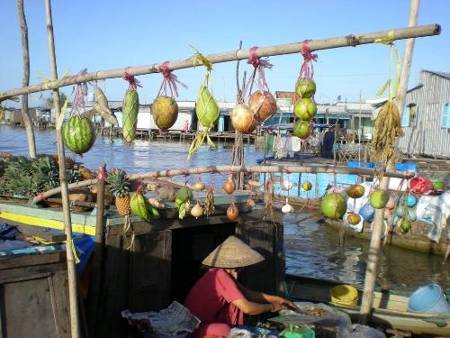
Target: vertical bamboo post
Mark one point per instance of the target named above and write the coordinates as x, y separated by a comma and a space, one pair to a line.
26, 118
72, 274
375, 240
97, 277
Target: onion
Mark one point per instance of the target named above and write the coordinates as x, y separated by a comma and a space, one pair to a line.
263, 105
197, 210
232, 212
198, 186
287, 208
229, 185
242, 119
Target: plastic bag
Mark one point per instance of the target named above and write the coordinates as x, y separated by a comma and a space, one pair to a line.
362, 331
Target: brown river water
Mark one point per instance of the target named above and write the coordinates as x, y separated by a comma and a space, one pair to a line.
311, 249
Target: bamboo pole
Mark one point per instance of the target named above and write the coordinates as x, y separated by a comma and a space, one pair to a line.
331, 169
72, 274
26, 118
234, 55
97, 275
375, 240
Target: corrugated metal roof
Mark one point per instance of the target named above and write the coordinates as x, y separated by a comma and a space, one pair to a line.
442, 74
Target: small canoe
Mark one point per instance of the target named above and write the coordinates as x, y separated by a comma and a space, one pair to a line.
390, 308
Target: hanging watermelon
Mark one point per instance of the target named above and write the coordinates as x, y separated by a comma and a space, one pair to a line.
78, 132
333, 205
164, 107
130, 108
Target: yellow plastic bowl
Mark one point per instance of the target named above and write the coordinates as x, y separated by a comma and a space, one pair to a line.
345, 295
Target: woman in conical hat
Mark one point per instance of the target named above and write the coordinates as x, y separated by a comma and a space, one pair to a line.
217, 298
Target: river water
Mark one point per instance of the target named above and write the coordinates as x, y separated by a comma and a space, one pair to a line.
311, 249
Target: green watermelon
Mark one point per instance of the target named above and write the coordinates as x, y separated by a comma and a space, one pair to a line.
333, 205
78, 134
130, 113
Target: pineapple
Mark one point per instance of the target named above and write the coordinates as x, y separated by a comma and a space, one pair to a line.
119, 185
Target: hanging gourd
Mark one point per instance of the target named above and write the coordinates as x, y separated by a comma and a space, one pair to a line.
261, 102
130, 108
333, 205
206, 107
164, 107
305, 107
78, 131
101, 107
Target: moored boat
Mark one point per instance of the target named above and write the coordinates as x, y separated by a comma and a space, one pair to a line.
389, 309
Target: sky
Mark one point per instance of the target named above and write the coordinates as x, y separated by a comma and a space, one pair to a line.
102, 34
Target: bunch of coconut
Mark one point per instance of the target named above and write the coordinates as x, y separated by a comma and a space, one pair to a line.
304, 108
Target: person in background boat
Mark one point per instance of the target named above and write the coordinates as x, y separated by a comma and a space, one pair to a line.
217, 298
328, 142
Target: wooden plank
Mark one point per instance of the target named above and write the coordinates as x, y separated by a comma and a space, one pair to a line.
47, 234
8, 262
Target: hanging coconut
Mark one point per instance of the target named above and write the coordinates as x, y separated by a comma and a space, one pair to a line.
165, 112
232, 212
242, 119
307, 185
333, 205
78, 134
353, 218
378, 199
305, 88
302, 129
305, 109
355, 191
263, 105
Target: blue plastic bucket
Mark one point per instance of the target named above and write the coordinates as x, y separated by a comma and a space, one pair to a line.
430, 299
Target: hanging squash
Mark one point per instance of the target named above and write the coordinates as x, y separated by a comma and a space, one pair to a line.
130, 108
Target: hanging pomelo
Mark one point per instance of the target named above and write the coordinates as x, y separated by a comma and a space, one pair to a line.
305, 88
305, 109
165, 112
302, 129
263, 105
353, 218
307, 185
242, 119
378, 199
355, 191
78, 134
333, 205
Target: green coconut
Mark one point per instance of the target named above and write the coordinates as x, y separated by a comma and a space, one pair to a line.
302, 129
333, 205
206, 108
379, 198
305, 109
305, 88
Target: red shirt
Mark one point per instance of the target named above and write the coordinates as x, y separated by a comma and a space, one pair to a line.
211, 296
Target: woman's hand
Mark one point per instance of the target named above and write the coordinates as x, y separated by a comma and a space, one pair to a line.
283, 303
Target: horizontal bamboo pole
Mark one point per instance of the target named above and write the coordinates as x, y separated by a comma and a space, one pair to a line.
331, 169
234, 55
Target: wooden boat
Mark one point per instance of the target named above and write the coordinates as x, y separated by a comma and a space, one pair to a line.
390, 308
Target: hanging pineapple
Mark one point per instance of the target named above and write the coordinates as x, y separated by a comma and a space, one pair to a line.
206, 107
120, 187
130, 108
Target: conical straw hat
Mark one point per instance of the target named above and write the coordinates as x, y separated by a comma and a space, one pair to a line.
232, 253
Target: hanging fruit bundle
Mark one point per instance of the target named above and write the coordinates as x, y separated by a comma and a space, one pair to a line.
260, 104
206, 107
78, 131
141, 207
164, 107
305, 107
183, 199
130, 108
